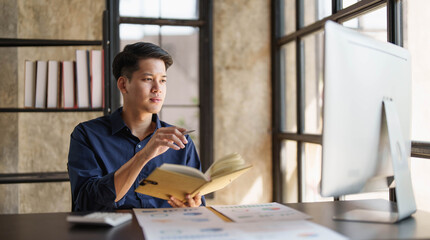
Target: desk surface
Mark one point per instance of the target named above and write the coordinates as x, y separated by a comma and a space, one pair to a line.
54, 225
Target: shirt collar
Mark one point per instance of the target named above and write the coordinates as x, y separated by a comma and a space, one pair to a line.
156, 120
118, 123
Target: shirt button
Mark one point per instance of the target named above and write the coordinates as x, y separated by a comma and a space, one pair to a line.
138, 146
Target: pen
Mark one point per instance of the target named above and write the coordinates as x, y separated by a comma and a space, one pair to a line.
188, 131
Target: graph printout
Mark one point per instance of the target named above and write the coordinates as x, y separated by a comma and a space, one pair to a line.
260, 212
202, 224
169, 223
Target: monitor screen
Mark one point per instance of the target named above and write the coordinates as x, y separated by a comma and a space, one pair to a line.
359, 72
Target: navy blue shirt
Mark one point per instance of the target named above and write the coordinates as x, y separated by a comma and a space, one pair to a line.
101, 146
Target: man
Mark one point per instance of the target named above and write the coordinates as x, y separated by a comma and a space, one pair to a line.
110, 155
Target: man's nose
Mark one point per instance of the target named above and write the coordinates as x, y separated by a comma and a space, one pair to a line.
156, 87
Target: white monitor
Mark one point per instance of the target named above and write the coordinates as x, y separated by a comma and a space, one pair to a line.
359, 74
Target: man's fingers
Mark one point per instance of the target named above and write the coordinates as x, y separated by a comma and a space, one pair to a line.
175, 137
198, 200
178, 134
190, 200
174, 202
195, 201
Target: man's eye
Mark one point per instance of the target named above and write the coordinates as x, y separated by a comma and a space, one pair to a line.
163, 80
147, 79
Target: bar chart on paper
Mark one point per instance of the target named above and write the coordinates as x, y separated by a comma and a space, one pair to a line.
201, 223
260, 212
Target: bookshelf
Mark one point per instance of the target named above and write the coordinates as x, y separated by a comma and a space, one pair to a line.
16, 42
51, 110
42, 176
35, 140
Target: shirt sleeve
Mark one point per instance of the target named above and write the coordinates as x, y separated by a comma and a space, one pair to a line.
193, 160
92, 188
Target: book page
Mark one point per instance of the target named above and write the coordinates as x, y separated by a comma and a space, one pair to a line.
220, 181
225, 165
182, 169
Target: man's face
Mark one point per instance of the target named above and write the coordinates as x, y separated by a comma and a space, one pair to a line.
146, 89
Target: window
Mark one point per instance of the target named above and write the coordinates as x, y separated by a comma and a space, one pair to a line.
298, 83
182, 28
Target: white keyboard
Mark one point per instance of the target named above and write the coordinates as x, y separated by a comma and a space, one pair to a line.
101, 218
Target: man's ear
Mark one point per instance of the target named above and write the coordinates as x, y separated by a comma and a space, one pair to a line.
121, 84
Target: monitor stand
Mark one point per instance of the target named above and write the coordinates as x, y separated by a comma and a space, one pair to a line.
402, 176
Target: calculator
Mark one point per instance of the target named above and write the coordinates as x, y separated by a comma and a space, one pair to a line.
101, 218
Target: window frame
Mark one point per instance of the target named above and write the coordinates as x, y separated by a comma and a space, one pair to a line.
394, 35
204, 23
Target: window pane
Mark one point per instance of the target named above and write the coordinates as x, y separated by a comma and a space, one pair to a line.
139, 8
373, 23
420, 180
347, 3
131, 33
184, 9
183, 44
316, 10
289, 82
185, 117
417, 36
289, 171
183, 76
313, 80
312, 173
383, 194
288, 13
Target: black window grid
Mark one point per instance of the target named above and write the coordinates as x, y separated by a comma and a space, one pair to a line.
339, 14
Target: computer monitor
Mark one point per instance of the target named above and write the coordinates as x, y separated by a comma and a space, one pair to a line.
367, 85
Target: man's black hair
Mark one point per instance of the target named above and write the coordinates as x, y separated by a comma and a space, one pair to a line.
127, 61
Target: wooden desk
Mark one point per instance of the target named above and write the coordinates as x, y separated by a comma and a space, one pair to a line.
416, 227
54, 226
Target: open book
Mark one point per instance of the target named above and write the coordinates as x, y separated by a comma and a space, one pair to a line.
179, 180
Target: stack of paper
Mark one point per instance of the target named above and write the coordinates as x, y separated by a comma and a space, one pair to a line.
265, 221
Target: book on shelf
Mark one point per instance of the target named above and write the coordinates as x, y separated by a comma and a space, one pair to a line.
41, 79
82, 80
97, 79
29, 83
179, 180
53, 92
89, 77
65, 84
68, 84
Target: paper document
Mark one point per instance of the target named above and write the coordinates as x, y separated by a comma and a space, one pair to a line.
158, 223
200, 223
260, 212
174, 215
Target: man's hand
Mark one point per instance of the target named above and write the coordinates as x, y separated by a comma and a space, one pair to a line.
163, 139
196, 201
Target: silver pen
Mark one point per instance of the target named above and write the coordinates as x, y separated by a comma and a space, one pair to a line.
188, 131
